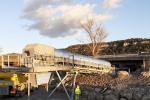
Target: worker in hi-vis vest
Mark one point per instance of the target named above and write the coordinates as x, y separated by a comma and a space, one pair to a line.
14, 78
77, 92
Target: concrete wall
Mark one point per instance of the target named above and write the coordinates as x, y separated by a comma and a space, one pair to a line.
146, 63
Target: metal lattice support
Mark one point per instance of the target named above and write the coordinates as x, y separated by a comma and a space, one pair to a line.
74, 81
61, 82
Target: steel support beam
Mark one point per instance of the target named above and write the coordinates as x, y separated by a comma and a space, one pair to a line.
61, 82
74, 83
29, 86
8, 60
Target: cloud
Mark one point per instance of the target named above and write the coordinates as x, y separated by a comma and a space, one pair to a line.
112, 3
59, 18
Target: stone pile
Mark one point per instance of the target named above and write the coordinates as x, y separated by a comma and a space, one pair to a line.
94, 80
134, 93
146, 74
121, 87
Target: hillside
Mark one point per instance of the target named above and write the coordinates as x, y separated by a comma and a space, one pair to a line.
128, 46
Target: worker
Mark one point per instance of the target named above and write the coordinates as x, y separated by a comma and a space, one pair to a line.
77, 92
14, 78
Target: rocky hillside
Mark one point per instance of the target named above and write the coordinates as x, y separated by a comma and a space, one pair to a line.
128, 46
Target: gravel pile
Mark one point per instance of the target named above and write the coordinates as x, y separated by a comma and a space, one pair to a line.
130, 87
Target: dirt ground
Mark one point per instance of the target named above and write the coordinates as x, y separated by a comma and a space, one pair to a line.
40, 94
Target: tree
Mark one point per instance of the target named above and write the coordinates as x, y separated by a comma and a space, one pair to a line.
96, 34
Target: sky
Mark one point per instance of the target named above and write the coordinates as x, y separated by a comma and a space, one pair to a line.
56, 22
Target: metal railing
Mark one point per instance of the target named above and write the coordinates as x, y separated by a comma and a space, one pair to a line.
10, 60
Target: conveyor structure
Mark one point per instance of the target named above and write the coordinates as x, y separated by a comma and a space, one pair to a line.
35, 65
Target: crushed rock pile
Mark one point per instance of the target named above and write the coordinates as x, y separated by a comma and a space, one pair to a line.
122, 80
129, 87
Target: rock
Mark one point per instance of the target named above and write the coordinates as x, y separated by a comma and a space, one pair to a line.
137, 96
122, 74
146, 74
85, 93
99, 97
116, 93
123, 99
126, 94
147, 90
146, 97
90, 89
138, 93
108, 92
91, 96
97, 90
110, 97
83, 98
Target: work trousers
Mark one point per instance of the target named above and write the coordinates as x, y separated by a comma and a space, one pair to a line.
77, 96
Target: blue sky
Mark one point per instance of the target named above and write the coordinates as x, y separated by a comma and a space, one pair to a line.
129, 20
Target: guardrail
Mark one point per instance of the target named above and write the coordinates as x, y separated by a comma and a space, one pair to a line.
10, 60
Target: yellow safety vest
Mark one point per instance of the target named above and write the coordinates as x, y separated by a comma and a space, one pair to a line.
14, 78
77, 90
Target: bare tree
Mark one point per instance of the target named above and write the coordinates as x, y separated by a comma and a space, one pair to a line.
96, 35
